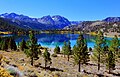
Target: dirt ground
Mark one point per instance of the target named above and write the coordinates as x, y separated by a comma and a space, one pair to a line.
60, 67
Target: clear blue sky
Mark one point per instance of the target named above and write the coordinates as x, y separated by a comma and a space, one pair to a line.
71, 9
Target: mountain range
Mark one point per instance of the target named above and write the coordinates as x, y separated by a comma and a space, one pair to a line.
46, 22
52, 22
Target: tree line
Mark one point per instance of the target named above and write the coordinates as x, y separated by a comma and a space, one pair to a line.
7, 44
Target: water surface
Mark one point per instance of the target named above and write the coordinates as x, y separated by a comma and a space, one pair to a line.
51, 40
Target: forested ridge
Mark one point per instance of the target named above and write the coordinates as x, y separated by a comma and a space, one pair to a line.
6, 26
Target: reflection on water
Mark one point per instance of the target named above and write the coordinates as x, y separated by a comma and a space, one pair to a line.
51, 40
6, 35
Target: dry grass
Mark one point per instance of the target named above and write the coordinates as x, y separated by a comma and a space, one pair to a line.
60, 66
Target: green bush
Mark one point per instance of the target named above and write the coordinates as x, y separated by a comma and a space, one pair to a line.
57, 50
54, 55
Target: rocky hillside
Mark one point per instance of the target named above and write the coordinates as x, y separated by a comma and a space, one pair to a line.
93, 26
112, 19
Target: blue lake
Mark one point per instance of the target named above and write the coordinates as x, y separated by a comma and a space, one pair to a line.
51, 40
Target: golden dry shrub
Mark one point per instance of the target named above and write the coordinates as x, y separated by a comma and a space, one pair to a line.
56, 75
4, 73
1, 58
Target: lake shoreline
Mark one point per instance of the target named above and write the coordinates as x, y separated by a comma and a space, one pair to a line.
109, 35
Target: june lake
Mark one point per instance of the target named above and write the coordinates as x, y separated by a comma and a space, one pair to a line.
51, 40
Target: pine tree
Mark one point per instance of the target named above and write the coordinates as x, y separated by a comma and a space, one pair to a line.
33, 50
23, 45
57, 50
1, 43
4, 45
68, 49
64, 48
110, 61
113, 53
12, 45
115, 46
99, 49
47, 58
80, 55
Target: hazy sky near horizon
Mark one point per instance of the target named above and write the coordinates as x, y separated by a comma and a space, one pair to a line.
72, 9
